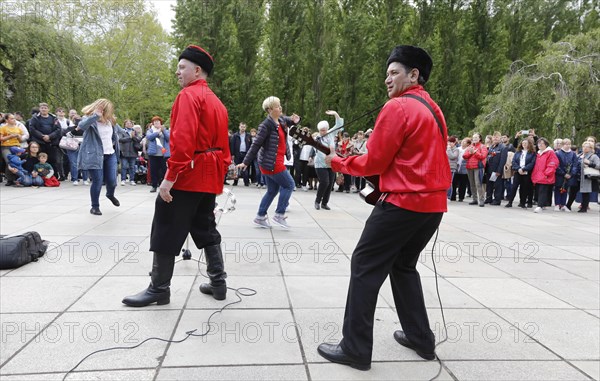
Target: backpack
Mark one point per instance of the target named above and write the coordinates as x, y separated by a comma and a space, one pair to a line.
19, 250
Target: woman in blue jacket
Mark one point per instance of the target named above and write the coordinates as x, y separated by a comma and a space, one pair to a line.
158, 151
522, 163
565, 175
99, 150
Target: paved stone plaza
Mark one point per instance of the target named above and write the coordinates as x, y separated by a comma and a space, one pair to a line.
520, 292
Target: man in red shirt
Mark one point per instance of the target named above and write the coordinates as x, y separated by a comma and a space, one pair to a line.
408, 150
200, 156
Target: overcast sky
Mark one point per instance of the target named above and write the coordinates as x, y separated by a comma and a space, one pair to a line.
164, 12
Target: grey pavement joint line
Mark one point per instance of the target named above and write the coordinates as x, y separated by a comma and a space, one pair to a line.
59, 315
176, 325
531, 337
287, 293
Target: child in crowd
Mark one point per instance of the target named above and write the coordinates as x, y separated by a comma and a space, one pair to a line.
15, 162
43, 169
46, 171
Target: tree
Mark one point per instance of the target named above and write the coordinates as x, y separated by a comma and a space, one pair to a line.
39, 64
71, 54
132, 67
558, 94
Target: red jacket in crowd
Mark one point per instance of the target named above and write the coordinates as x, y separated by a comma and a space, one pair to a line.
407, 149
199, 140
544, 171
474, 158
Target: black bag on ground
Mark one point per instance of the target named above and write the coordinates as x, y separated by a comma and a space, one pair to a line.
21, 249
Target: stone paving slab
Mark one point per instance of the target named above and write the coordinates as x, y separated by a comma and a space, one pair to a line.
519, 289
405, 370
73, 335
242, 373
560, 330
515, 370
116, 375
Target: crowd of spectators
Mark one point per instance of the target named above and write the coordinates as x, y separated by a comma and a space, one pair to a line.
526, 168
495, 169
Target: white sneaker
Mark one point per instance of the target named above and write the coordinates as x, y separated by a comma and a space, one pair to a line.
263, 222
305, 188
279, 219
122, 182
75, 182
132, 183
566, 210
86, 182
537, 210
557, 208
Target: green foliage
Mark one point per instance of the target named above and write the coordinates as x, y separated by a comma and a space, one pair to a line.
313, 54
558, 94
69, 54
38, 64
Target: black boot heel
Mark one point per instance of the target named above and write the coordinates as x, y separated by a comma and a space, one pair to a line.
215, 268
158, 291
218, 292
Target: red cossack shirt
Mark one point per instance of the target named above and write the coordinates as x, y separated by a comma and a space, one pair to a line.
199, 140
408, 151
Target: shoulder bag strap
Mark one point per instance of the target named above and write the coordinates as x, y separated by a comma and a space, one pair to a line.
428, 107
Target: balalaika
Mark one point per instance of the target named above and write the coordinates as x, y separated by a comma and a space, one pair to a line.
370, 193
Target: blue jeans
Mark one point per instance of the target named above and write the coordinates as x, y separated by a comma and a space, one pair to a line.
29, 180
449, 192
128, 166
107, 174
281, 183
260, 178
21, 175
72, 155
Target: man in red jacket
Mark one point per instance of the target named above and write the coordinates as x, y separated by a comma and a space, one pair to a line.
199, 147
408, 149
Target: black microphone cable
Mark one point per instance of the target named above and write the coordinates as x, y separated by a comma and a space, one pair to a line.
239, 292
437, 289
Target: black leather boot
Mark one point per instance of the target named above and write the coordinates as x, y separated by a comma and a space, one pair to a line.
158, 291
215, 268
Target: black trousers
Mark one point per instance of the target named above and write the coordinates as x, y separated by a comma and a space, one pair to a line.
544, 194
460, 182
572, 194
495, 188
390, 245
188, 213
302, 173
525, 186
158, 167
326, 179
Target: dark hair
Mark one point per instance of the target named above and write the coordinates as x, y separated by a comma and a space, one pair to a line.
545, 141
530, 146
421, 80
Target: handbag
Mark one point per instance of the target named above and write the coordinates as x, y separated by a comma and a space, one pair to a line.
51, 182
69, 143
591, 173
